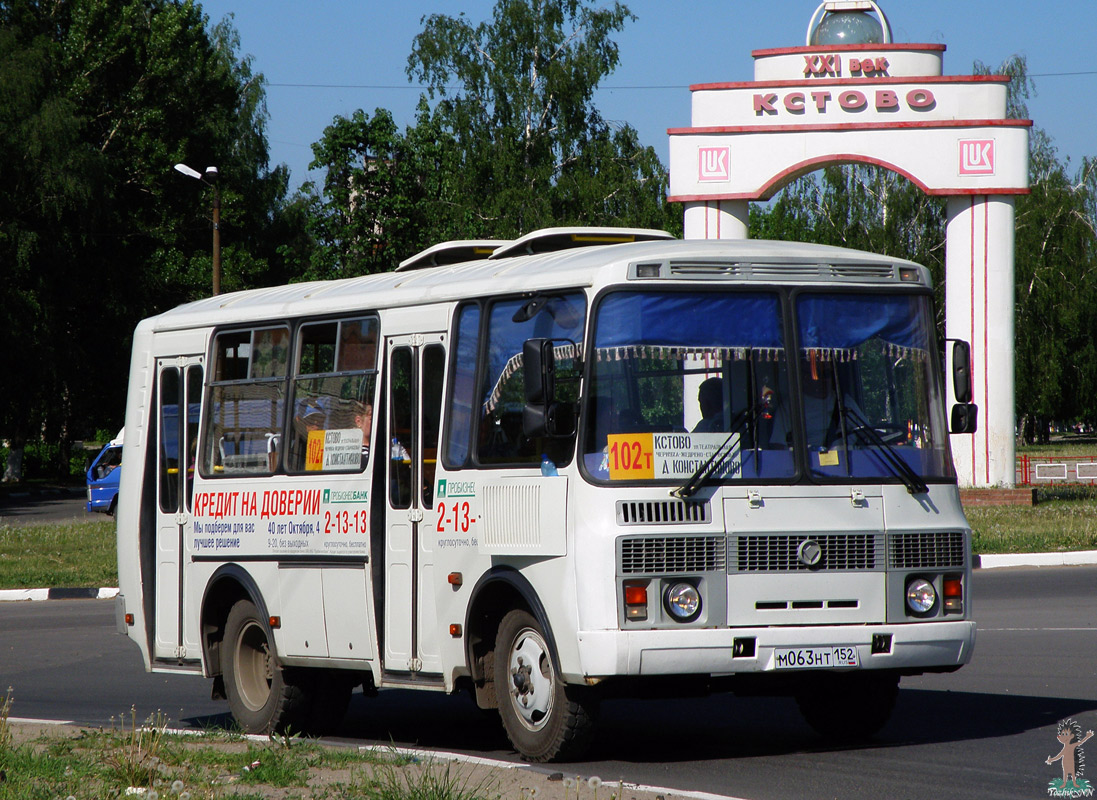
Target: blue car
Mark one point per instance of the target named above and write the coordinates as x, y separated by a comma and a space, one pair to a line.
103, 477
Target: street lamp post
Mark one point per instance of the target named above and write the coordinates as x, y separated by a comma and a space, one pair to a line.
210, 179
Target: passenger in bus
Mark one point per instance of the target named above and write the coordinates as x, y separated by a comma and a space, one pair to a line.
363, 418
710, 397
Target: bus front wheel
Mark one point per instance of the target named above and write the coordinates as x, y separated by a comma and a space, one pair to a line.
261, 698
545, 719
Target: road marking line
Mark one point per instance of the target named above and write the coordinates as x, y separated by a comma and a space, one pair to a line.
1050, 630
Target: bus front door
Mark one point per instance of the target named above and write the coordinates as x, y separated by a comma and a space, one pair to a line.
179, 393
416, 366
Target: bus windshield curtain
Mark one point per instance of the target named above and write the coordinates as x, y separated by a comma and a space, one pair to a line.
690, 320
843, 322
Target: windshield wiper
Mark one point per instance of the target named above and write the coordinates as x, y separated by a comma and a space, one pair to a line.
698, 478
900, 468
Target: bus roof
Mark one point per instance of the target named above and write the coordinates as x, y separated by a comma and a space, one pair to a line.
688, 259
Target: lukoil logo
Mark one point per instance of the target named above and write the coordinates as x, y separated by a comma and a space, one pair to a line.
976, 156
714, 164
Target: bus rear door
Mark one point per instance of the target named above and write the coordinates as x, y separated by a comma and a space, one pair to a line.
179, 393
416, 366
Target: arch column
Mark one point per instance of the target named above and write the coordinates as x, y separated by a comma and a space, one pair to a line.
717, 219
979, 307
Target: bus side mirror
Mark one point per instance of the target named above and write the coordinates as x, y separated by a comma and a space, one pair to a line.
542, 415
965, 414
961, 371
539, 362
965, 418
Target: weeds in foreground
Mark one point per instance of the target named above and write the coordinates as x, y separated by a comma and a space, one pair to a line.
147, 761
5, 732
136, 760
430, 781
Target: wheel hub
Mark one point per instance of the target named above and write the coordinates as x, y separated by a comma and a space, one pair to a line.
531, 679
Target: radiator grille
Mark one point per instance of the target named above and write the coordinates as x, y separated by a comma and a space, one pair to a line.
662, 555
927, 550
840, 551
660, 512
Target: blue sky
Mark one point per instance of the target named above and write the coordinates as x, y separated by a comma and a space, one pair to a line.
325, 58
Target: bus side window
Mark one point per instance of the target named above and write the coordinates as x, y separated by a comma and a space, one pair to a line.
501, 438
401, 421
333, 382
462, 397
247, 397
434, 361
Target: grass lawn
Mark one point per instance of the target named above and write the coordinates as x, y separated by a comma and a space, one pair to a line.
1048, 527
69, 554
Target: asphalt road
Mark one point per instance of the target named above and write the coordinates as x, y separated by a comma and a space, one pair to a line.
53, 505
982, 732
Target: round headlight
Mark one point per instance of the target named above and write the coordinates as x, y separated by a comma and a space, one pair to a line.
921, 596
683, 601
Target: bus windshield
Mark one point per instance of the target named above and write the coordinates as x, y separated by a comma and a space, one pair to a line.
689, 386
678, 376
871, 399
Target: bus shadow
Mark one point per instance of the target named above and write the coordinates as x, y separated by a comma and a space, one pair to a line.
693, 729
723, 727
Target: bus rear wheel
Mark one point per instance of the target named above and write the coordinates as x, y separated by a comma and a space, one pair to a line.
261, 698
545, 719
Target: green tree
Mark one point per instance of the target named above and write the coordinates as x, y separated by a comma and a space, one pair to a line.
507, 140
98, 99
1056, 283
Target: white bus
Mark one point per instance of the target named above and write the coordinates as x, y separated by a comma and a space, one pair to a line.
582, 464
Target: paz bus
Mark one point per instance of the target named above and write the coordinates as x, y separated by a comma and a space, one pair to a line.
585, 463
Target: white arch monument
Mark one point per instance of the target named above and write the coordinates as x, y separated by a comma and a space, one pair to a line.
887, 105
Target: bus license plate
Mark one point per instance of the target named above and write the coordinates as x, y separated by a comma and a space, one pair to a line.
815, 657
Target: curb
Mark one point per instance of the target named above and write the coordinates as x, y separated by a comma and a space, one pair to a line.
58, 593
1071, 559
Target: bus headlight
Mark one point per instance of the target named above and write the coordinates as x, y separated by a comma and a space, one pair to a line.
682, 601
921, 596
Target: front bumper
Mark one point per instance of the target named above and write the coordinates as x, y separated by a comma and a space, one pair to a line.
914, 647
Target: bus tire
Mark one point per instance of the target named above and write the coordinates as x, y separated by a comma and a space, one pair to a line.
260, 696
545, 719
849, 707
